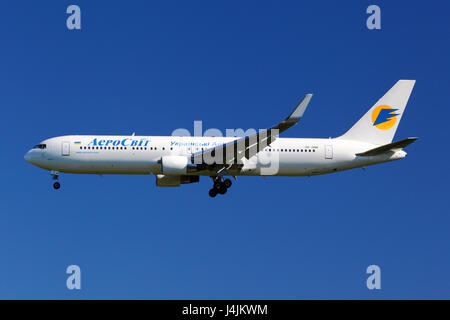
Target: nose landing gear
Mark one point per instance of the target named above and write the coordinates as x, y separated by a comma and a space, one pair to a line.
219, 186
55, 175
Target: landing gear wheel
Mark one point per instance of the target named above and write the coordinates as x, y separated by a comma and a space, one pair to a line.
217, 185
56, 185
223, 189
227, 183
212, 193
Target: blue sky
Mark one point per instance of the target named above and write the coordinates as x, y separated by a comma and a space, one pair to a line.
153, 66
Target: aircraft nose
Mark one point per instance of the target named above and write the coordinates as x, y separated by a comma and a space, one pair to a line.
32, 157
27, 157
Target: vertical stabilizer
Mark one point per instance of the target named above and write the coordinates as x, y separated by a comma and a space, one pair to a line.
379, 124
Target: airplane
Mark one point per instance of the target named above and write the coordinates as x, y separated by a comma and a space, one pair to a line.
176, 160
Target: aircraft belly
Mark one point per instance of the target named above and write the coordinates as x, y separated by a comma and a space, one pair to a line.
113, 165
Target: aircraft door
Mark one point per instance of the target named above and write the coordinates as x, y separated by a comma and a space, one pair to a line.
328, 152
65, 148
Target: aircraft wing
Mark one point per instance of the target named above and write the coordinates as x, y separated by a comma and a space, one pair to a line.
248, 146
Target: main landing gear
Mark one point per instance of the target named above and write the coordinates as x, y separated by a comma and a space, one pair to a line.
219, 187
55, 175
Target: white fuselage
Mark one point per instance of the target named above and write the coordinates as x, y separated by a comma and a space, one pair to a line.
142, 155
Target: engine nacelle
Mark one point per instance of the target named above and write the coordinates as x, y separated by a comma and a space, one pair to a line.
174, 165
174, 181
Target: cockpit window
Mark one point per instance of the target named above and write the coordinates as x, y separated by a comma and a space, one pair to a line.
40, 146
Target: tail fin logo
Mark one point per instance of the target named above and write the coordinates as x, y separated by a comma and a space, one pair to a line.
384, 117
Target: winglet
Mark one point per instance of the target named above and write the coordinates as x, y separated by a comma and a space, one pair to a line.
295, 116
300, 109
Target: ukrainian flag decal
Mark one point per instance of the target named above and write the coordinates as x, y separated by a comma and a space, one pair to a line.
77, 142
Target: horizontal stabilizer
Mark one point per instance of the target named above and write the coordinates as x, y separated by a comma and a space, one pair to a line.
388, 147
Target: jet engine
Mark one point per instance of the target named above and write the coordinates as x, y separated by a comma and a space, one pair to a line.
174, 165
